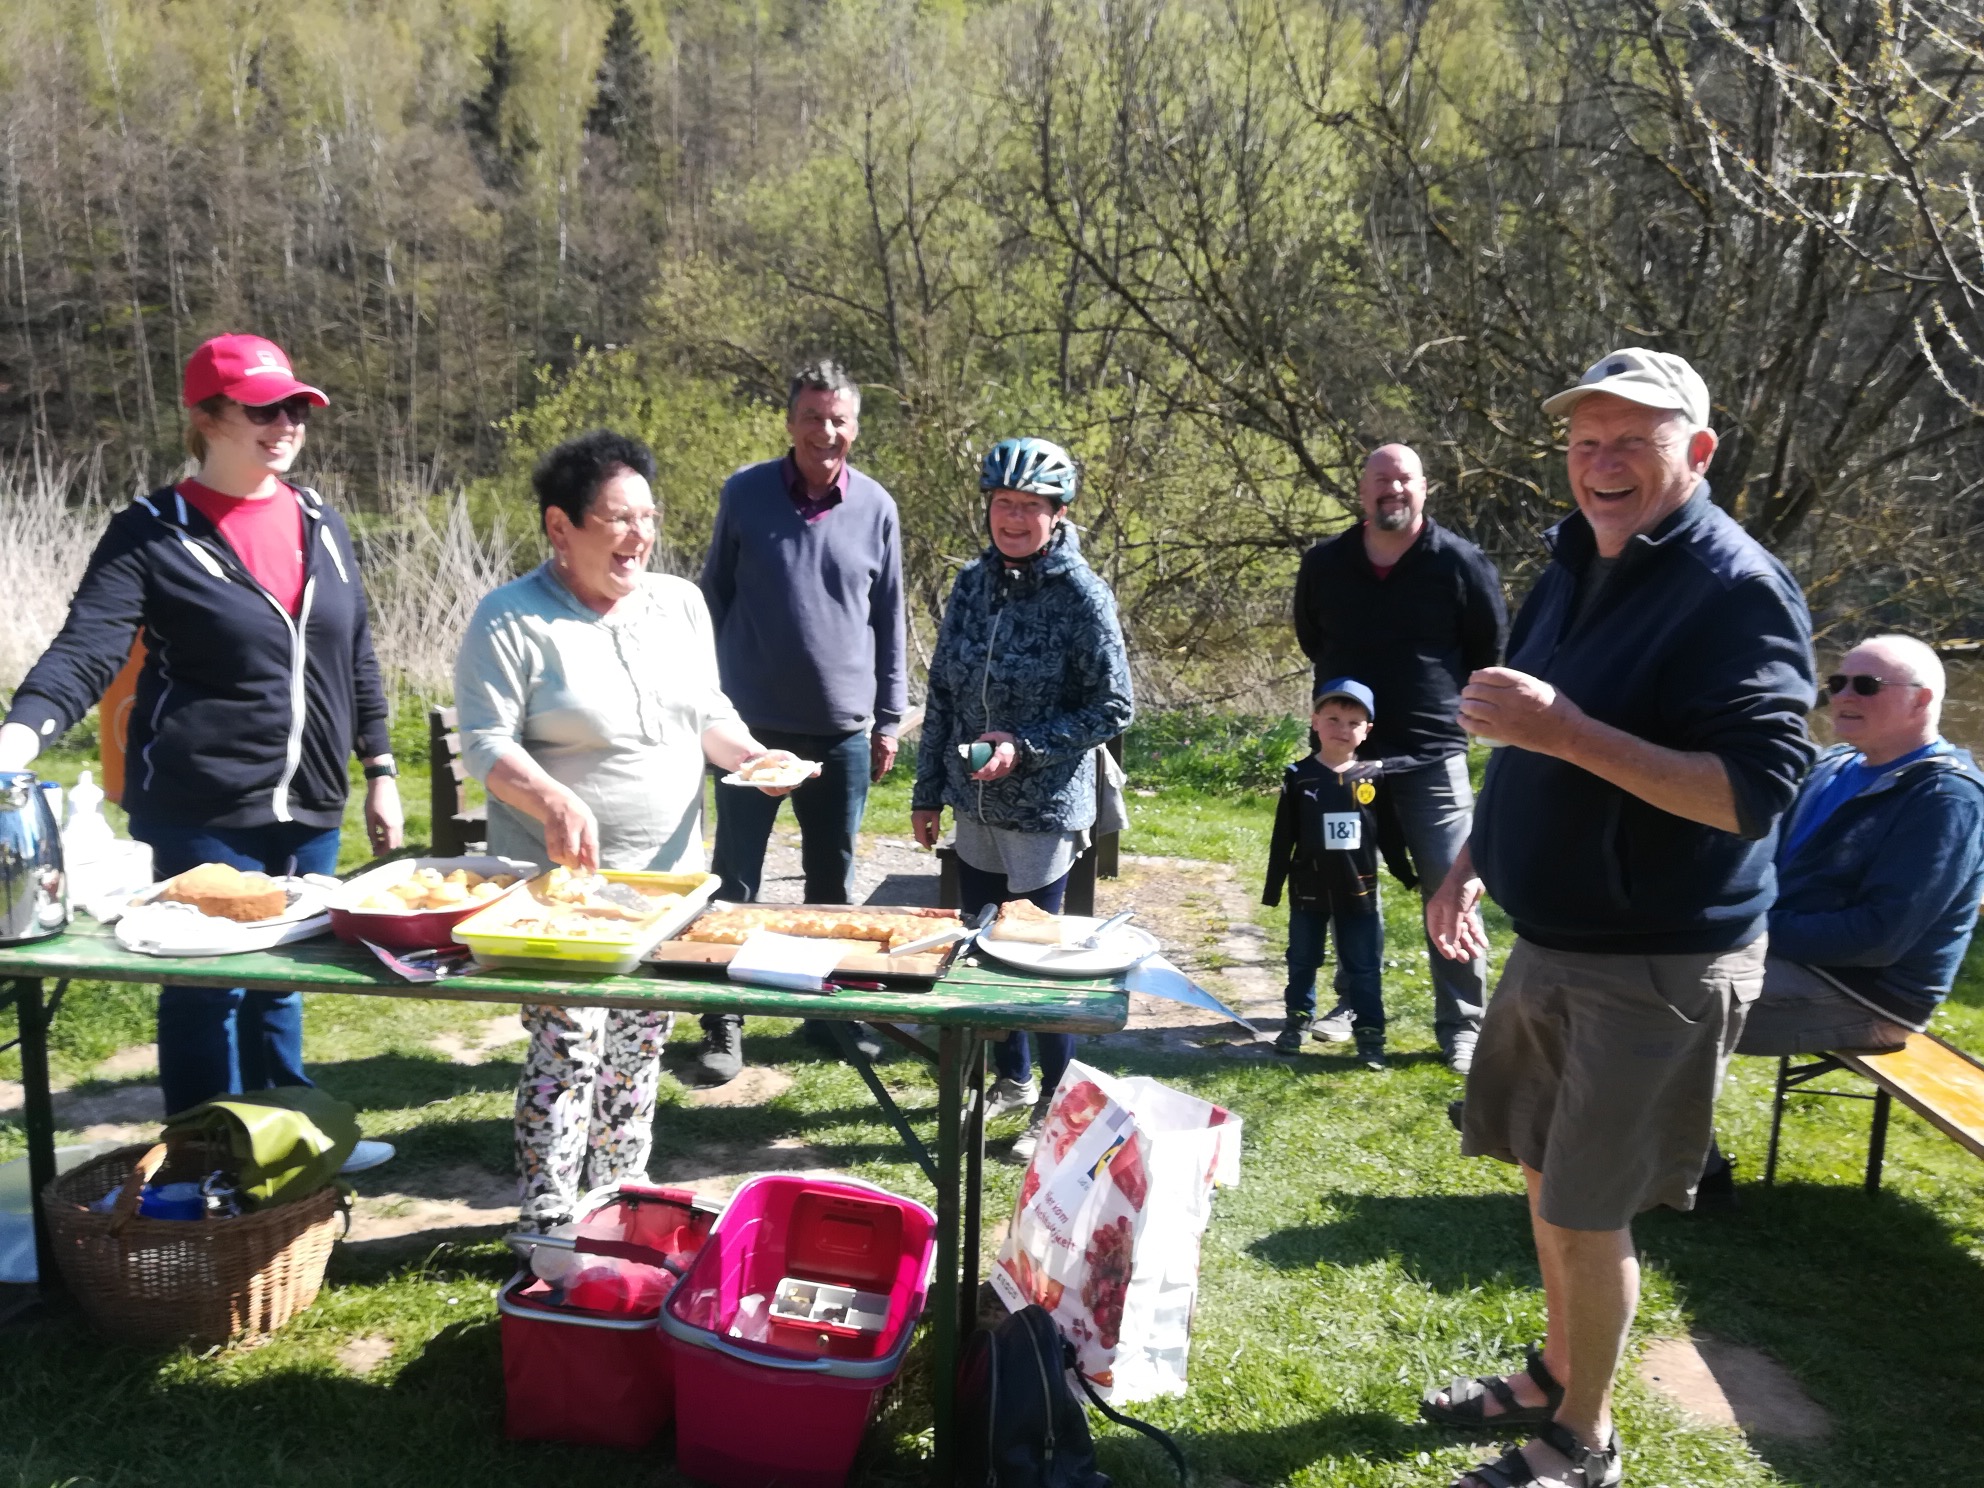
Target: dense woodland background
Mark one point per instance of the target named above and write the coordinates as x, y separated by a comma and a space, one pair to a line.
1219, 247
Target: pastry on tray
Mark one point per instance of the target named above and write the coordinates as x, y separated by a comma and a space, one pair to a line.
227, 893
1022, 921
874, 931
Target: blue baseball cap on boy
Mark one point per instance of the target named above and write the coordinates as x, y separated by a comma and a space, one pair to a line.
1351, 688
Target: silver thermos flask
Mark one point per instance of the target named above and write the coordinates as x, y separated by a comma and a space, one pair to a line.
34, 889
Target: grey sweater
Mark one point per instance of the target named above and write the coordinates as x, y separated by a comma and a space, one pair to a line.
808, 615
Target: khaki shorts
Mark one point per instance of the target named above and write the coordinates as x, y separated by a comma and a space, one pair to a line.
1601, 1072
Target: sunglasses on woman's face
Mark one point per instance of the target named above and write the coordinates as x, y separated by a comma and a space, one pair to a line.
1864, 684
296, 410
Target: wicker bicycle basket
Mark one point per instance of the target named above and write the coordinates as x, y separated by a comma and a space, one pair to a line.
172, 1281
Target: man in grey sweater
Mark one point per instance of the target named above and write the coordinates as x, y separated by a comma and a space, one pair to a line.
804, 585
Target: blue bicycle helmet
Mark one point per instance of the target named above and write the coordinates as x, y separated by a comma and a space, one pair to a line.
1039, 467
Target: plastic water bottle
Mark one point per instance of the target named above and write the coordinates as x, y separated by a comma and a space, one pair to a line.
86, 834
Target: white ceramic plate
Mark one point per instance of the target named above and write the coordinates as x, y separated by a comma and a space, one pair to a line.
796, 772
157, 928
1121, 949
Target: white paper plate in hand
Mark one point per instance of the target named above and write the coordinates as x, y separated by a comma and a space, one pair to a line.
1121, 949
793, 772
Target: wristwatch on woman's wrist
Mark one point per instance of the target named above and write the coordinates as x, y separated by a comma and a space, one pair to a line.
386, 770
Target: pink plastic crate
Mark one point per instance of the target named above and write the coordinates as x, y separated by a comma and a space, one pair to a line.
817, 1391
575, 1375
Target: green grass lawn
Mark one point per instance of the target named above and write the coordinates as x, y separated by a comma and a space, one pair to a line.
1360, 1260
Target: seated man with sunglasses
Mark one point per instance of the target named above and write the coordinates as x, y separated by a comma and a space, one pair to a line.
1880, 867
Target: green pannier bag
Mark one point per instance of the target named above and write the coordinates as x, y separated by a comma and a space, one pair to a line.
287, 1143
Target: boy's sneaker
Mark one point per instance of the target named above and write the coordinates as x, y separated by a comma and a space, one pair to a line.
1289, 1040
1371, 1051
1007, 1095
1334, 1027
1027, 1141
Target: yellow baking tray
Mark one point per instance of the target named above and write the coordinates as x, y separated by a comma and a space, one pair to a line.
489, 935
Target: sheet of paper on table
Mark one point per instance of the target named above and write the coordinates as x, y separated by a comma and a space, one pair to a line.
797, 963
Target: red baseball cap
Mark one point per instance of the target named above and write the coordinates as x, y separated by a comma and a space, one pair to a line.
247, 369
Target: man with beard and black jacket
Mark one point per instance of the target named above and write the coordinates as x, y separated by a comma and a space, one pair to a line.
1410, 609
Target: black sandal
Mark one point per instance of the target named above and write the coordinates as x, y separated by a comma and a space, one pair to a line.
1590, 1467
1466, 1402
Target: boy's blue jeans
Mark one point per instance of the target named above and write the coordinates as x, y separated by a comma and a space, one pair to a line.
1360, 950
226, 1040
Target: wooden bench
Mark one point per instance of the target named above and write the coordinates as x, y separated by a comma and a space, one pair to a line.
458, 829
1936, 1080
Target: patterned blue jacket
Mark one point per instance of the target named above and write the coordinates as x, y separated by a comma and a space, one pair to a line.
1036, 652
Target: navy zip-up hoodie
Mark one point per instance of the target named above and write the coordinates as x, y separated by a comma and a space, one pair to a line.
1699, 641
1882, 897
244, 714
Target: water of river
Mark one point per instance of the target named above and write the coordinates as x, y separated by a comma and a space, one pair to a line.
1963, 704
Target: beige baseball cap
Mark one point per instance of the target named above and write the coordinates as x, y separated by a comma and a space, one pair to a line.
1656, 379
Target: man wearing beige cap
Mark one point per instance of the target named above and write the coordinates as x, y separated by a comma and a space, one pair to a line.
1653, 708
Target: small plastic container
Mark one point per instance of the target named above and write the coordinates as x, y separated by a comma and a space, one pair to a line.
599, 1375
818, 1378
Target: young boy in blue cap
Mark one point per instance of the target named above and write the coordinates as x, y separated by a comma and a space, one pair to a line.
1330, 825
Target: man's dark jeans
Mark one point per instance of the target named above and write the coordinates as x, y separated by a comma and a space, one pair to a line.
226, 1040
828, 807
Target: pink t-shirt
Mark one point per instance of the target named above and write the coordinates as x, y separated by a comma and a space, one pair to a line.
266, 535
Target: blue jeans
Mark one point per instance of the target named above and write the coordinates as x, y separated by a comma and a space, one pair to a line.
1436, 808
828, 807
1360, 949
226, 1040
1013, 1058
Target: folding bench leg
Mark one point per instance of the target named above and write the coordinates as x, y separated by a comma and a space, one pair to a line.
1777, 1117
1877, 1140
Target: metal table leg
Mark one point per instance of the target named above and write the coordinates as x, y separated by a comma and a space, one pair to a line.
38, 1115
974, 1184
951, 1120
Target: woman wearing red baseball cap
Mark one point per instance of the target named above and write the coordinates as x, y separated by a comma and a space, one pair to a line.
258, 683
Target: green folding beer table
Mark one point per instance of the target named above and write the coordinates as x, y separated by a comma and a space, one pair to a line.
973, 1000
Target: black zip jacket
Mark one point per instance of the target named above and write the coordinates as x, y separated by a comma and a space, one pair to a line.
1412, 637
1320, 877
1699, 641
244, 715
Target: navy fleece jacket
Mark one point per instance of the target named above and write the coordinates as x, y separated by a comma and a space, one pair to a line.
1699, 641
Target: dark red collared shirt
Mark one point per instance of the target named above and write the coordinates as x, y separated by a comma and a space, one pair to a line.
811, 508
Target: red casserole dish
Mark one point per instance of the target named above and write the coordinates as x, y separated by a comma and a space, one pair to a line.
416, 929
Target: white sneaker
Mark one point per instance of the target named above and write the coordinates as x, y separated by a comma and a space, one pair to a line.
1024, 1144
366, 1156
1334, 1027
1010, 1095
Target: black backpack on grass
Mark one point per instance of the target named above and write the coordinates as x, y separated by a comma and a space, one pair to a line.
1019, 1425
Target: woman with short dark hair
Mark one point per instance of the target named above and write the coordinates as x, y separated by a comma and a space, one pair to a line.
588, 701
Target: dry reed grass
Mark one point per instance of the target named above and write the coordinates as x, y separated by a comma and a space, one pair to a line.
425, 568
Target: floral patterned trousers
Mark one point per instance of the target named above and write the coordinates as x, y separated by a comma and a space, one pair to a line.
585, 1104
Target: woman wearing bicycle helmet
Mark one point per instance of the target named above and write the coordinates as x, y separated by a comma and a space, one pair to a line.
1029, 660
